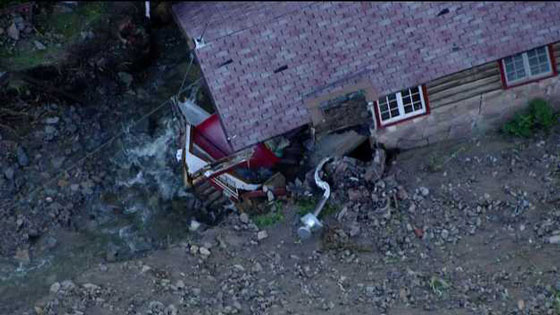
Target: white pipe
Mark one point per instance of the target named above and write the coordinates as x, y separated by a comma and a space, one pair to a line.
148, 9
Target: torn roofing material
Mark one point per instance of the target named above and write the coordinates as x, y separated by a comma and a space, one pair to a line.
324, 46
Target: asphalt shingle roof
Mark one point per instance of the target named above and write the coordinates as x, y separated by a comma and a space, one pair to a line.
326, 45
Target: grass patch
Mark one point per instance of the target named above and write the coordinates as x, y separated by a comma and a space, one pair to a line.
31, 59
68, 26
273, 216
438, 285
557, 301
539, 116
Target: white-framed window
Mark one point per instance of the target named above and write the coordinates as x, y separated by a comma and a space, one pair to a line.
530, 65
401, 105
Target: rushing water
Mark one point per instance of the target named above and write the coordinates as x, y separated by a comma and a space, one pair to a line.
144, 207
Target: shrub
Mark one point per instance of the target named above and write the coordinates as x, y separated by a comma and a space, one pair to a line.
539, 115
543, 114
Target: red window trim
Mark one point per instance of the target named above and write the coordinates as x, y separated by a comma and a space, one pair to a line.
554, 73
378, 115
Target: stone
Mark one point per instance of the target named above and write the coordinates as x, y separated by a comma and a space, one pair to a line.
13, 32
22, 157
52, 120
270, 196
194, 249
180, 284
67, 285
194, 225
244, 218
9, 173
145, 269
424, 191
261, 235
354, 230
55, 287
520, 304
39, 45
204, 251
444, 234
555, 239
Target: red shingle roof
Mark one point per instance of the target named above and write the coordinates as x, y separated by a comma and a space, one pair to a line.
326, 45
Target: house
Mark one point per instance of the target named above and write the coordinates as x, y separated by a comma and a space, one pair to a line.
415, 73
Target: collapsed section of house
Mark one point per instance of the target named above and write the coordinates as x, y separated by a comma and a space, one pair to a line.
402, 75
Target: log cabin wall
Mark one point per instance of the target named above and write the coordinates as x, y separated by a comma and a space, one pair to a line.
468, 103
470, 83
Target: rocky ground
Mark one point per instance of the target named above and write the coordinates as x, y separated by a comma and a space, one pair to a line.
94, 220
469, 228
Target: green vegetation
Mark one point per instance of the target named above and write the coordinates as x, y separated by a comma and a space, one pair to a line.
66, 27
70, 24
557, 302
273, 216
539, 116
268, 219
438, 285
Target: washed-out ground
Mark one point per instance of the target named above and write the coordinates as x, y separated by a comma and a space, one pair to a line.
474, 227
475, 231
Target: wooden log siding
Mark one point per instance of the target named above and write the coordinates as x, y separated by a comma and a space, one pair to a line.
556, 51
470, 83
464, 85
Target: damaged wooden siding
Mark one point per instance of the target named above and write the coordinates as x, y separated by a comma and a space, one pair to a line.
342, 114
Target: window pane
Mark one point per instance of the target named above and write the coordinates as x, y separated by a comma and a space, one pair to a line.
385, 116
408, 109
514, 67
418, 106
538, 63
406, 100
383, 107
395, 112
